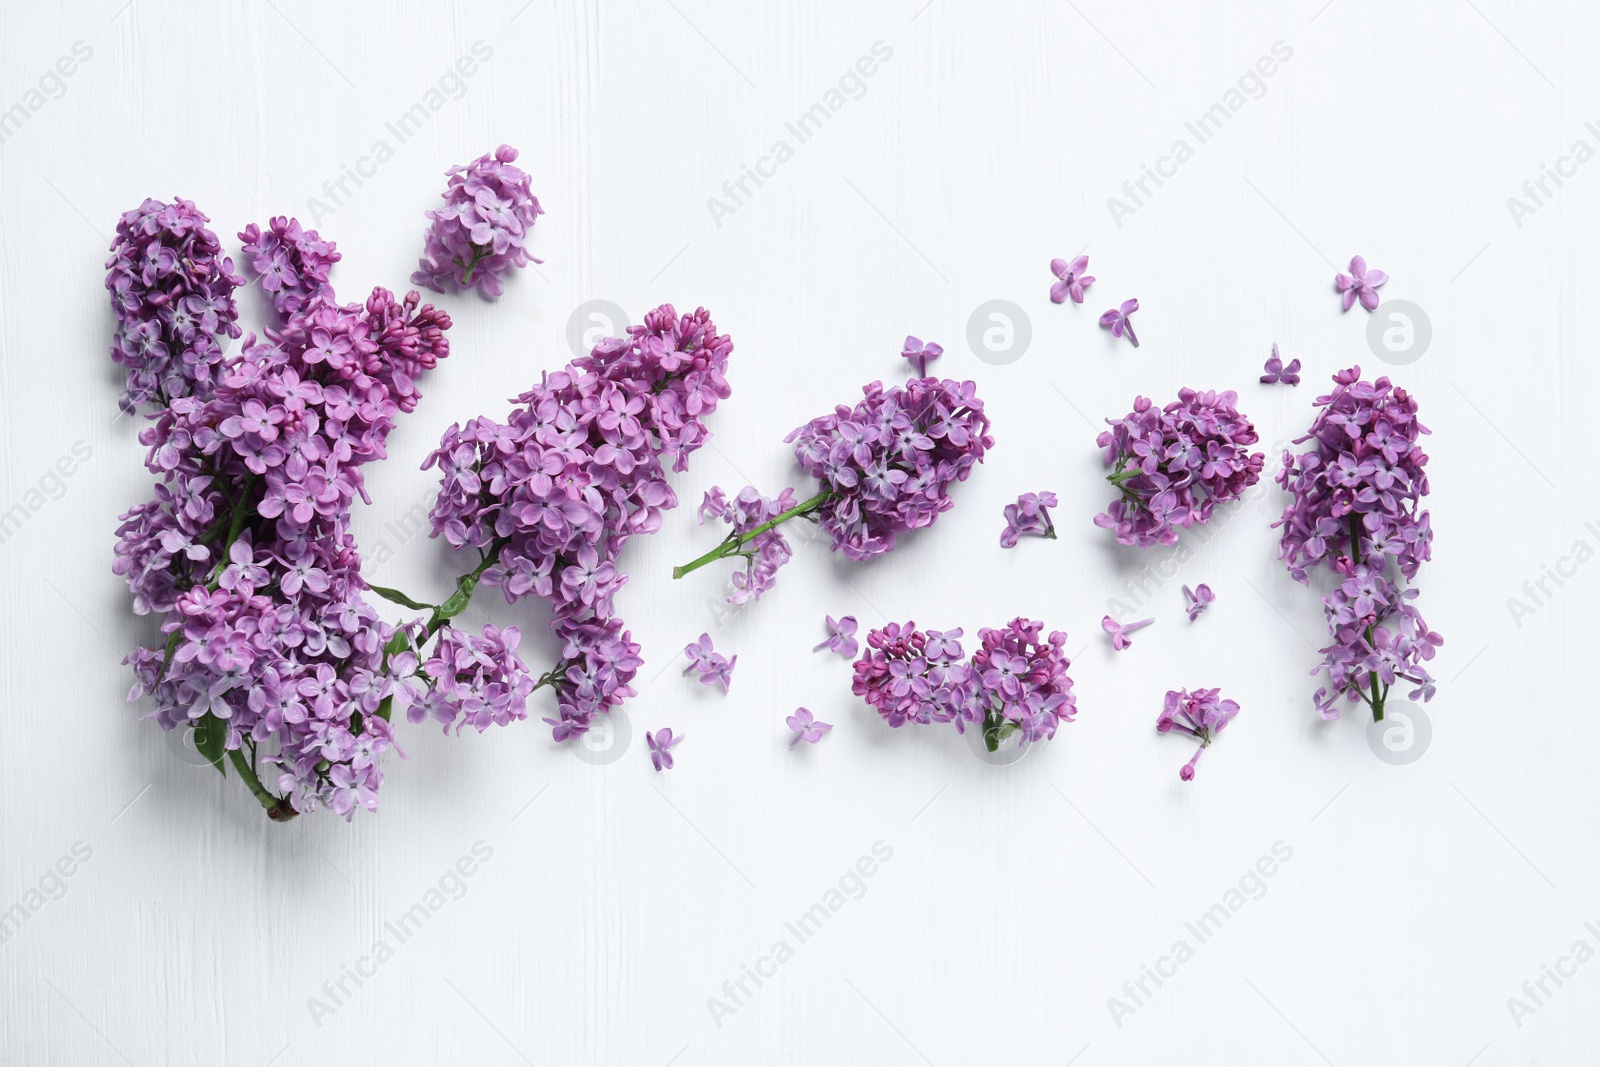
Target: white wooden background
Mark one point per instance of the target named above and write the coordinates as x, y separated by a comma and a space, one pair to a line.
1018, 900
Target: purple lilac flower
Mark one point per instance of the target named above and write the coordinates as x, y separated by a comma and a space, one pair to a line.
477, 681
1029, 515
921, 354
1356, 505
172, 295
1016, 682
1119, 631
764, 551
714, 668
1361, 284
1276, 372
841, 637
483, 229
551, 496
271, 654
1174, 465
660, 744
806, 728
1198, 600
885, 467
1201, 714
1120, 320
1070, 280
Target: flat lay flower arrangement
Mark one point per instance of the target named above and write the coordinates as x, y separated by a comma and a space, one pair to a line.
269, 646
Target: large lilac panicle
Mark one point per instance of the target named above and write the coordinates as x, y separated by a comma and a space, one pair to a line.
1015, 683
550, 496
481, 232
1356, 506
884, 467
1174, 465
1364, 475
172, 295
272, 653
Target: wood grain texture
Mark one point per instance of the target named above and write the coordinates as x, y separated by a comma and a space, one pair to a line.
1017, 900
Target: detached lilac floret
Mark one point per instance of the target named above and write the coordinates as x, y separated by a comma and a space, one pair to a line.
1274, 372
172, 295
1029, 515
714, 668
660, 745
1174, 465
1356, 506
482, 231
841, 637
1198, 600
921, 354
1015, 683
806, 727
1360, 284
1071, 281
1200, 714
1119, 631
1120, 320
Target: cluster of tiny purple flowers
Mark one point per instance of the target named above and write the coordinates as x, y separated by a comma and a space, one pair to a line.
549, 497
885, 467
1174, 465
482, 231
1356, 508
1015, 683
1201, 714
172, 295
272, 654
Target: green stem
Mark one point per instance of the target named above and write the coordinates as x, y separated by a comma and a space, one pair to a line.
733, 543
478, 252
278, 808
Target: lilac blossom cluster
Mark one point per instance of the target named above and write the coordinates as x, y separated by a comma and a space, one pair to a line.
272, 654
1015, 682
1356, 508
482, 230
885, 467
1174, 465
1201, 714
549, 497
172, 295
